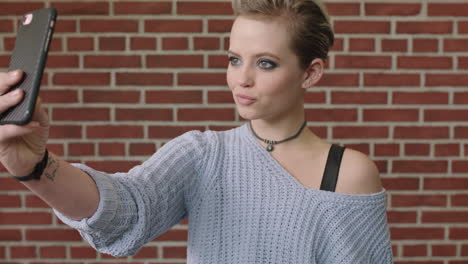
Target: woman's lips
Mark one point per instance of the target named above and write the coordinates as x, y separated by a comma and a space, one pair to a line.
245, 100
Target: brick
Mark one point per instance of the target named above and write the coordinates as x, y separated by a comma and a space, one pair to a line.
204, 8
425, 45
401, 217
220, 25
360, 132
422, 62
19, 7
81, 149
444, 250
458, 233
6, 25
413, 166
359, 98
363, 62
112, 43
202, 79
401, 183
424, 27
114, 131
361, 45
447, 183
462, 62
463, 27
108, 25
82, 253
337, 44
10, 201
65, 131
174, 61
143, 43
416, 233
23, 252
65, 26
414, 250
444, 217
175, 43
80, 44
217, 61
63, 61
52, 235
152, 79
457, 80
114, 97
361, 27
168, 132
206, 43
173, 26
205, 114
141, 8
428, 132
391, 79
137, 149
339, 79
143, 114
32, 201
59, 96
55, 148
447, 9
147, 252
215, 97
112, 61
112, 166
390, 9
10, 235
174, 97
53, 252
330, 114
174, 252
10, 184
25, 218
414, 200
455, 45
343, 9
459, 200
82, 8
386, 115
445, 115
81, 78
81, 114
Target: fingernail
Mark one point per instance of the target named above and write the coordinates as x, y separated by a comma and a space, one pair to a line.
14, 73
15, 92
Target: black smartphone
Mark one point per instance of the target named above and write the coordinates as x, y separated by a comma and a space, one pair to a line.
29, 55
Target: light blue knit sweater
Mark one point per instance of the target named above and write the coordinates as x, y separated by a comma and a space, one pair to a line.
242, 207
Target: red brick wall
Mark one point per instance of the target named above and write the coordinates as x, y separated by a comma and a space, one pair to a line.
124, 78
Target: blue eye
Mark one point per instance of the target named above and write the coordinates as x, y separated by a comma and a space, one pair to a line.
267, 64
233, 60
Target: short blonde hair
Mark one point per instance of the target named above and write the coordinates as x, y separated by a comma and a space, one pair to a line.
311, 33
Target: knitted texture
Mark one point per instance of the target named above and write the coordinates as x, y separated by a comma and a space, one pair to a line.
242, 207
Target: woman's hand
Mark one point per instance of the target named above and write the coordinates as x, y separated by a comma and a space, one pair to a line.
21, 147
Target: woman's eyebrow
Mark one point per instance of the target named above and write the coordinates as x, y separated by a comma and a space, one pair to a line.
257, 55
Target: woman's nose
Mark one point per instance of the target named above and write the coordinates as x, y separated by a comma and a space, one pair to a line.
246, 77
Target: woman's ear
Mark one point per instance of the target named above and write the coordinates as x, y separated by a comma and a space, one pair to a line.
313, 73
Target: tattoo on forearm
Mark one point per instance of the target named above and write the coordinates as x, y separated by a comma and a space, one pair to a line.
53, 166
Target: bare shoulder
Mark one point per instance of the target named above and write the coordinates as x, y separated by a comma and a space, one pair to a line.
358, 174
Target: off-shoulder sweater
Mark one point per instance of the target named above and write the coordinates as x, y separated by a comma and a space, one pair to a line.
242, 207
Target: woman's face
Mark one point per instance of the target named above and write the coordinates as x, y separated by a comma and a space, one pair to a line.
264, 68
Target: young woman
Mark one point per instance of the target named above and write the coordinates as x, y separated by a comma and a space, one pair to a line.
269, 191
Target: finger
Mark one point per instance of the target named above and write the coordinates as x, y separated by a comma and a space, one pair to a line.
8, 79
13, 131
10, 99
40, 114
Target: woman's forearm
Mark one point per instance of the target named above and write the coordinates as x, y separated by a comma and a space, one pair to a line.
67, 189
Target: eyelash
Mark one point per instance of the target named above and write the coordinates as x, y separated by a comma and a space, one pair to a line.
273, 64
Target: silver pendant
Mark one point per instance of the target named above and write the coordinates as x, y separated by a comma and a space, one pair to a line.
270, 147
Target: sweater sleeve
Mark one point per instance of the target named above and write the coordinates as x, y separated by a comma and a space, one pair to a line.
355, 232
140, 205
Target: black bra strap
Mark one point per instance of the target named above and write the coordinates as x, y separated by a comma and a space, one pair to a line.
332, 168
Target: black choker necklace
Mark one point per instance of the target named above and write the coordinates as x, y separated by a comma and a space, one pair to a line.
270, 143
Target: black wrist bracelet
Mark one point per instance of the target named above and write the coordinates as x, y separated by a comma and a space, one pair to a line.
38, 170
